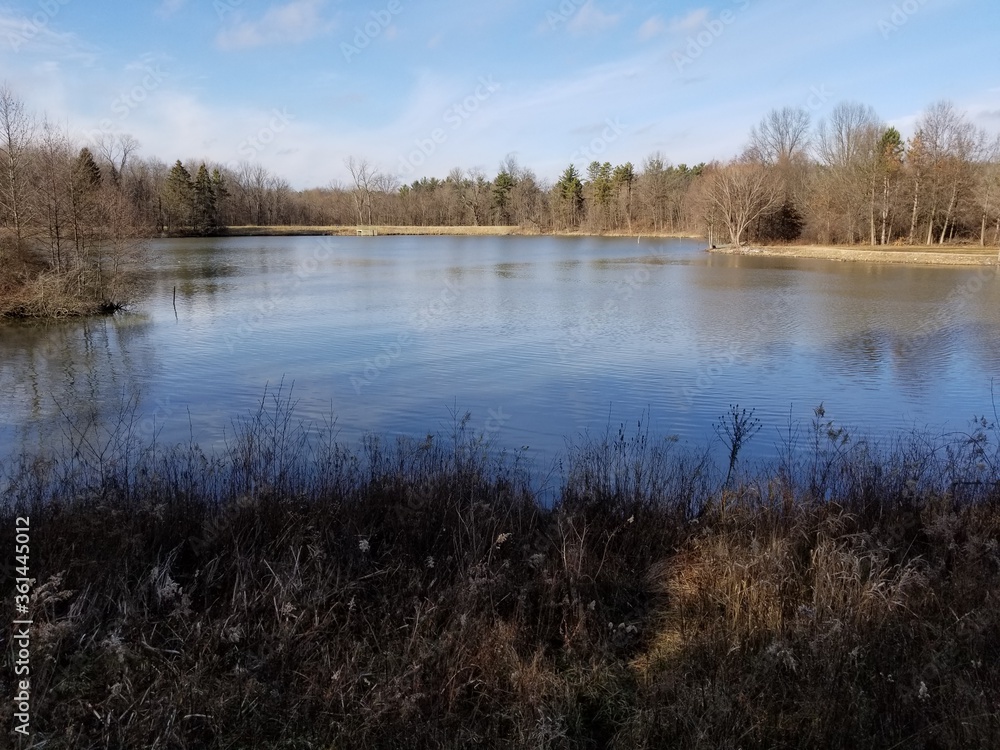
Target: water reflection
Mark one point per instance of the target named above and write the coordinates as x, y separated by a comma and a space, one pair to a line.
564, 334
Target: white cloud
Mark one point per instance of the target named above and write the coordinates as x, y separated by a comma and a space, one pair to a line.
36, 35
169, 7
689, 22
290, 23
591, 18
652, 27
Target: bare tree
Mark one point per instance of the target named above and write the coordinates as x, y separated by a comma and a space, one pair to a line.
55, 179
470, 190
252, 184
848, 148
988, 189
783, 135
741, 191
115, 149
384, 185
16, 131
949, 143
363, 176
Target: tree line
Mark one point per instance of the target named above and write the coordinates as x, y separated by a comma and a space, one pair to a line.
71, 214
848, 179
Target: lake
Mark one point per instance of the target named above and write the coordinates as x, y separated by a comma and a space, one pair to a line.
542, 339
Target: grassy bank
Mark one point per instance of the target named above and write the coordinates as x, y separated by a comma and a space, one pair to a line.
290, 592
471, 231
30, 291
952, 255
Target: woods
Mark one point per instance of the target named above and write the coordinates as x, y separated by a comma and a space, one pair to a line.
70, 238
72, 214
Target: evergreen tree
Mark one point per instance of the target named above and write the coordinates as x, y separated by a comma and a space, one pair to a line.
85, 182
569, 191
888, 166
624, 178
205, 209
86, 173
178, 197
502, 187
221, 193
600, 182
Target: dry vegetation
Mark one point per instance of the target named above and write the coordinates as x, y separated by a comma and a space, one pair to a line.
471, 231
70, 235
958, 255
291, 593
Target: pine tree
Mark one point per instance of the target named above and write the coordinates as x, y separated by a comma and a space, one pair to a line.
178, 197
221, 193
502, 187
86, 173
889, 164
624, 177
85, 182
599, 178
205, 210
569, 191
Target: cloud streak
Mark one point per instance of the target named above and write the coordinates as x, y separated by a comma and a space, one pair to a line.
590, 19
689, 22
653, 27
289, 23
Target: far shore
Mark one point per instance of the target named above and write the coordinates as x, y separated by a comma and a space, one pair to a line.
485, 231
937, 255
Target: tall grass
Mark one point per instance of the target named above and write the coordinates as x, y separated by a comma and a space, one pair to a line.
289, 591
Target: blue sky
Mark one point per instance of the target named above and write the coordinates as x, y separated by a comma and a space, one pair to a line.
418, 88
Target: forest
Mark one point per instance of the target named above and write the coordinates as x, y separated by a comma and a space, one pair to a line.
72, 214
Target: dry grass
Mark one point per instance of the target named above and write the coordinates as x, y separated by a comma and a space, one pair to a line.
48, 296
472, 231
954, 255
292, 593
346, 231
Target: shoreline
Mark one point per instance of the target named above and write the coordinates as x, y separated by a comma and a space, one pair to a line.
284, 578
416, 231
932, 255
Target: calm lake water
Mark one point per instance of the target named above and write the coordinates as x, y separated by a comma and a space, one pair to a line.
542, 339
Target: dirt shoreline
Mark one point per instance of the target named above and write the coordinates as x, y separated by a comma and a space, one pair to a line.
935, 255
